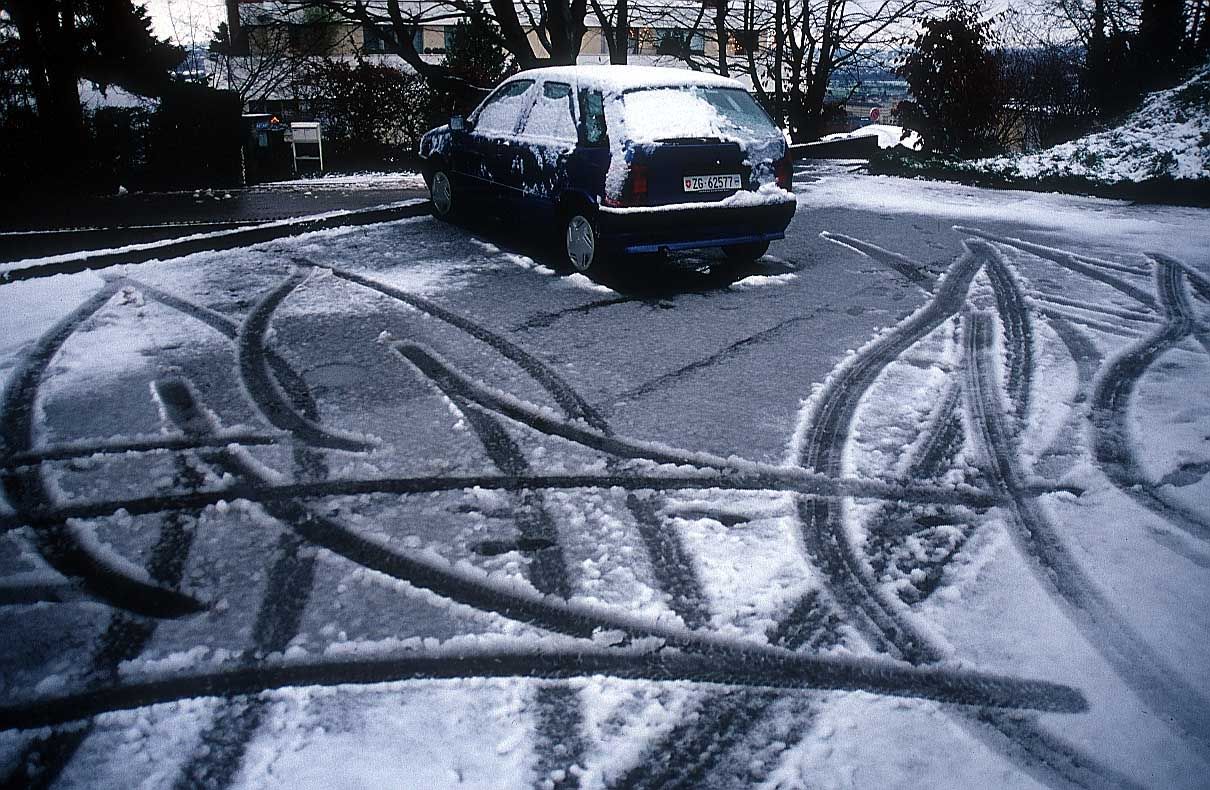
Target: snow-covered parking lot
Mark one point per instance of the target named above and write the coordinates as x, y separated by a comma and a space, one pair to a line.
920, 500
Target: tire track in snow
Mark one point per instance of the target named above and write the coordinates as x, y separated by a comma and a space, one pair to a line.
57, 541
856, 593
479, 591
912, 271
226, 738
1180, 303
536, 418
560, 743
1089, 267
1110, 406
1040, 754
810, 485
1059, 314
1126, 314
821, 450
670, 562
124, 638
260, 385
728, 669
687, 755
287, 590
1131, 658
1018, 331
71, 451
291, 383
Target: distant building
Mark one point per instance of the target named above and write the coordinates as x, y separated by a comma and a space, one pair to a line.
270, 45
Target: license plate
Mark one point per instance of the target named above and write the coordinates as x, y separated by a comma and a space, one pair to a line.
711, 183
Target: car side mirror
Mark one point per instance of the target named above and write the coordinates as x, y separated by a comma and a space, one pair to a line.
457, 123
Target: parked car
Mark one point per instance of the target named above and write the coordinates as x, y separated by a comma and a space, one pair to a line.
619, 159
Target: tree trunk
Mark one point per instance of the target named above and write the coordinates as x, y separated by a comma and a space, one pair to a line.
720, 32
779, 49
235, 29
47, 32
619, 49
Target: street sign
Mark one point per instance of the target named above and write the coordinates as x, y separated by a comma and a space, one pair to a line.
875, 114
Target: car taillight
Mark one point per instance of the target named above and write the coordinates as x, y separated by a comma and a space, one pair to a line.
636, 184
634, 192
783, 171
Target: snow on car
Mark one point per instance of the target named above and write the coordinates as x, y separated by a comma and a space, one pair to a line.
622, 160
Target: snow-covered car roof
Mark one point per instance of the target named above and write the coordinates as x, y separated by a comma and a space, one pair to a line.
616, 79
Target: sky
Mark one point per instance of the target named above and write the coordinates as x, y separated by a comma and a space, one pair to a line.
185, 21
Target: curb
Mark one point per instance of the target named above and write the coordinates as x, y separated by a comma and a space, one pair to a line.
223, 240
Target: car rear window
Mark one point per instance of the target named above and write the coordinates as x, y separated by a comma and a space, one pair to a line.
653, 114
502, 110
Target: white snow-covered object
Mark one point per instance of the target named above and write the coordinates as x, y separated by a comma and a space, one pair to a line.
888, 136
1167, 136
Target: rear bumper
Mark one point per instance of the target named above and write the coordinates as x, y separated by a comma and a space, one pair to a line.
639, 230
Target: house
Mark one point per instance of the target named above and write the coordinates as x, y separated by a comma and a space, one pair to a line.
271, 41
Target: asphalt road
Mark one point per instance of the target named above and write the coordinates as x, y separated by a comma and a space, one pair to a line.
902, 504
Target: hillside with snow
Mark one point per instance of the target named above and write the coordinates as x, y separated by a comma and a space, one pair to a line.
1168, 137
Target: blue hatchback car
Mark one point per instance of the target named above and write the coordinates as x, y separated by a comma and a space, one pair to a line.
619, 159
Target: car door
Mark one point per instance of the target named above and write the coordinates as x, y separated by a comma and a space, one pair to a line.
488, 155
548, 136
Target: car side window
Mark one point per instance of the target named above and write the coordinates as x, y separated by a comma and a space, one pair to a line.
501, 112
551, 116
592, 110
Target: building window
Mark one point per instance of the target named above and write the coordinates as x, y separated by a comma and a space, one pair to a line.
310, 39
679, 41
380, 38
745, 41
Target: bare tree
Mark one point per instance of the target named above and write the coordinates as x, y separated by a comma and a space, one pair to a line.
557, 27
813, 40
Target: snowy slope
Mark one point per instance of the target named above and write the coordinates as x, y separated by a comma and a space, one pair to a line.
1167, 137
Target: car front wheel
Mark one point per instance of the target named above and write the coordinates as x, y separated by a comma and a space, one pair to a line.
583, 247
441, 192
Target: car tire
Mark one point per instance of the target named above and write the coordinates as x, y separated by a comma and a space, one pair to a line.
583, 249
746, 253
442, 194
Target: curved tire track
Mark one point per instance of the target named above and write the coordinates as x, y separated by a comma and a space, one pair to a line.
670, 563
558, 719
124, 638
734, 669
1019, 335
1127, 653
884, 677
26, 491
261, 386
1111, 397
878, 618
1090, 268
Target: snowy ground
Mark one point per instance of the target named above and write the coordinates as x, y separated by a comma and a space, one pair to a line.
1167, 137
906, 505
367, 180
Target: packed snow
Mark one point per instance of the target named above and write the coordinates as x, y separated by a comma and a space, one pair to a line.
920, 498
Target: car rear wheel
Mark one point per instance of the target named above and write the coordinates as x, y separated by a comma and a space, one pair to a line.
746, 253
582, 244
441, 192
